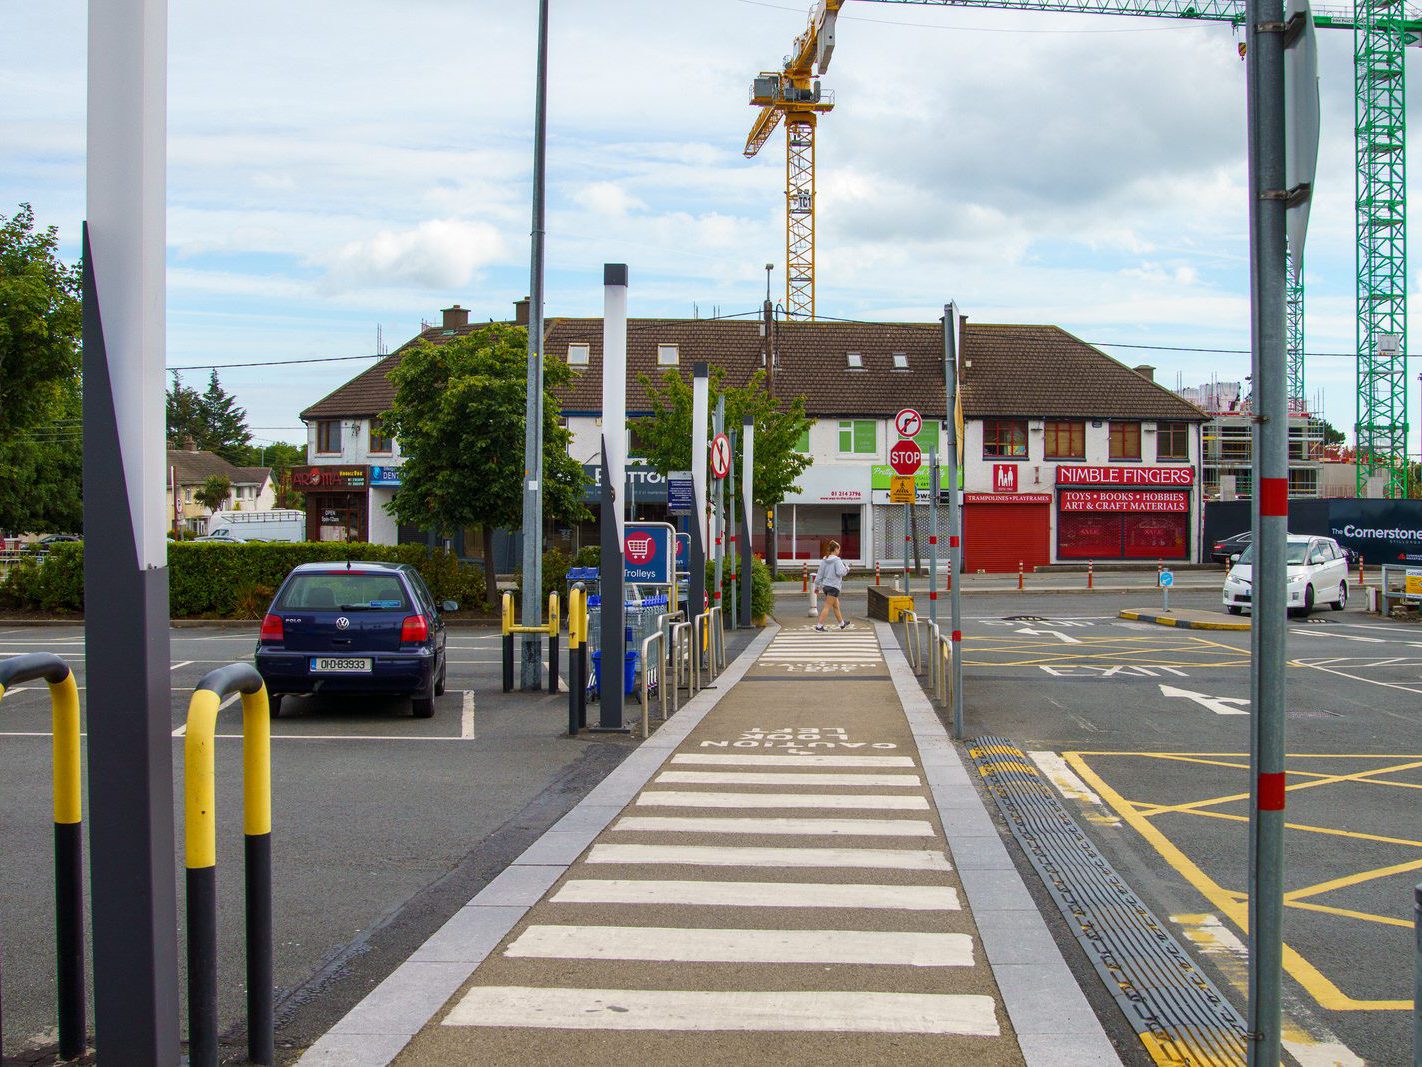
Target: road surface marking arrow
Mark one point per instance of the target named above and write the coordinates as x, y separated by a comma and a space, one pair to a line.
1219, 705
1064, 638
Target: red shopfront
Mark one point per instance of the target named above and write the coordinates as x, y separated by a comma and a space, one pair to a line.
1002, 531
337, 501
1124, 512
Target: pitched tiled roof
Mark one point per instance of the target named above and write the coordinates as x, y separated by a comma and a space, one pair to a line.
1017, 370
194, 468
1045, 371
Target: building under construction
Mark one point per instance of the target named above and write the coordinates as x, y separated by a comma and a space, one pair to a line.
1228, 444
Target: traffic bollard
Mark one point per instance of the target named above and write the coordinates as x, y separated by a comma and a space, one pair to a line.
876, 572
1360, 571
805, 578
200, 831
1090, 573
68, 841
507, 619
553, 626
1019, 574
1417, 978
576, 596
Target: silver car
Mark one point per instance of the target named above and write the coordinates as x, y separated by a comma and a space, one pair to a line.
1317, 574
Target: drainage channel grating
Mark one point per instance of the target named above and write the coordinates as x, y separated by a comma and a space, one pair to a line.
1178, 1012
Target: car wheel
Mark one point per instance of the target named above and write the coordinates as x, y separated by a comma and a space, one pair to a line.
439, 682
274, 704
1235, 609
1308, 601
1342, 601
422, 707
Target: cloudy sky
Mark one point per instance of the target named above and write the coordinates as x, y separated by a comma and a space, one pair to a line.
334, 166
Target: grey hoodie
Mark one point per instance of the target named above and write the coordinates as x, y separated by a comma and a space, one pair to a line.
832, 571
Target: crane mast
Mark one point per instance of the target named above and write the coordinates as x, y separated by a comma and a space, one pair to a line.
1381, 31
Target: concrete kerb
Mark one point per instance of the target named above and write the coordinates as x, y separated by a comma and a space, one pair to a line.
377, 1029
1185, 620
1051, 1016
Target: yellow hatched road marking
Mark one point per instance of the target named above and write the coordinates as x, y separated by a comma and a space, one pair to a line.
1328, 995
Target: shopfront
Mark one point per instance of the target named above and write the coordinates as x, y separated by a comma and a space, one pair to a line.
1005, 530
1106, 513
337, 501
829, 507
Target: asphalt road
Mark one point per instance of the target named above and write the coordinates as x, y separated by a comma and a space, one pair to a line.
384, 825
1145, 731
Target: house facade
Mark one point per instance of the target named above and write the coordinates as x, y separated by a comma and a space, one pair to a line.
1067, 454
189, 469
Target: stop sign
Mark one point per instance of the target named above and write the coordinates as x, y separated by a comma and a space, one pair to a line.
905, 457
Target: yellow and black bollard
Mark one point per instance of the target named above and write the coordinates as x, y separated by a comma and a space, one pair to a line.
577, 598
507, 617
68, 840
200, 789
553, 624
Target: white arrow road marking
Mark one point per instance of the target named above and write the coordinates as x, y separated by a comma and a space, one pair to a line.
1219, 705
1342, 637
1064, 638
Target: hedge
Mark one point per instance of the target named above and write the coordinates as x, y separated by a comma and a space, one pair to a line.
233, 581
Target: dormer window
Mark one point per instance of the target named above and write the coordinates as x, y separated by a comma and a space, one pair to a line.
900, 361
578, 355
855, 360
667, 356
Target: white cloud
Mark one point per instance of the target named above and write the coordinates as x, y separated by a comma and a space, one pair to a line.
436, 254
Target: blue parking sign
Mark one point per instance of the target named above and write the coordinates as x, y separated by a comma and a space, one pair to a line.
683, 553
648, 549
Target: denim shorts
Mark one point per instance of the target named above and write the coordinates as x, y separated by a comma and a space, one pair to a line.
832, 590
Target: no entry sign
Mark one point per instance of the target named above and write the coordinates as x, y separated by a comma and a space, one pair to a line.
721, 456
905, 457
908, 422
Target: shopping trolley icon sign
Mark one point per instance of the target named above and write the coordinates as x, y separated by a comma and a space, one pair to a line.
648, 550
640, 548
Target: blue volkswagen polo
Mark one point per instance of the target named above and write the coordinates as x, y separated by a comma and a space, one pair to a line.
354, 628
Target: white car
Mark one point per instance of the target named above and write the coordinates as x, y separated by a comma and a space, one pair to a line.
1317, 574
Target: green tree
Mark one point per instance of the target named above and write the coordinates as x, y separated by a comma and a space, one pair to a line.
459, 417
40, 428
1331, 434
212, 419
665, 435
280, 456
214, 492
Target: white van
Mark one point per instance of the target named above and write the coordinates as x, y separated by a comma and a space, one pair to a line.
283, 524
1317, 574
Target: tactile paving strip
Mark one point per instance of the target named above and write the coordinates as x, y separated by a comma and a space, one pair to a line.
1178, 1012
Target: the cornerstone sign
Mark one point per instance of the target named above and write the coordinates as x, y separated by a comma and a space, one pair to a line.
1074, 474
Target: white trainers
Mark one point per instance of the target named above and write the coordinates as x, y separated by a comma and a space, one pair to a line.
820, 627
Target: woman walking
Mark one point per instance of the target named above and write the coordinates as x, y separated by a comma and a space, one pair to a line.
828, 579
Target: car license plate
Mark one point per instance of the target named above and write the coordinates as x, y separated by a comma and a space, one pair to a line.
332, 665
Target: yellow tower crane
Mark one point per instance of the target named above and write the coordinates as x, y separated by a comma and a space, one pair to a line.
793, 94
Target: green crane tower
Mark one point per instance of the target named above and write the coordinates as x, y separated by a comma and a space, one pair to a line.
1381, 31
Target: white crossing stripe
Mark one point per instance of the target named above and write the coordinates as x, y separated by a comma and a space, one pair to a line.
666, 798
758, 894
899, 859
786, 778
664, 1009
799, 827
749, 760
672, 945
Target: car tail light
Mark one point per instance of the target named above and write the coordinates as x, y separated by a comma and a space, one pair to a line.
272, 628
414, 630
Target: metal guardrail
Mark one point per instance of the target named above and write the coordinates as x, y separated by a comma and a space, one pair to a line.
200, 818
653, 675
509, 628
682, 657
68, 840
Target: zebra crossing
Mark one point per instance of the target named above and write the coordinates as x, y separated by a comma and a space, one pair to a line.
772, 893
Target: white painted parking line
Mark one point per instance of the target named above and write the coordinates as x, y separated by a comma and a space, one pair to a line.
673, 945
667, 798
232, 698
758, 894
785, 778
466, 717
180, 663
658, 1009
797, 827
708, 758
900, 859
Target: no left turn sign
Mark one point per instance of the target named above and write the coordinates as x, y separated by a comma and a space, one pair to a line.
720, 456
908, 422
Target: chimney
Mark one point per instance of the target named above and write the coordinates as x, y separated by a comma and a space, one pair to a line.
189, 445
1146, 371
455, 317
521, 312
